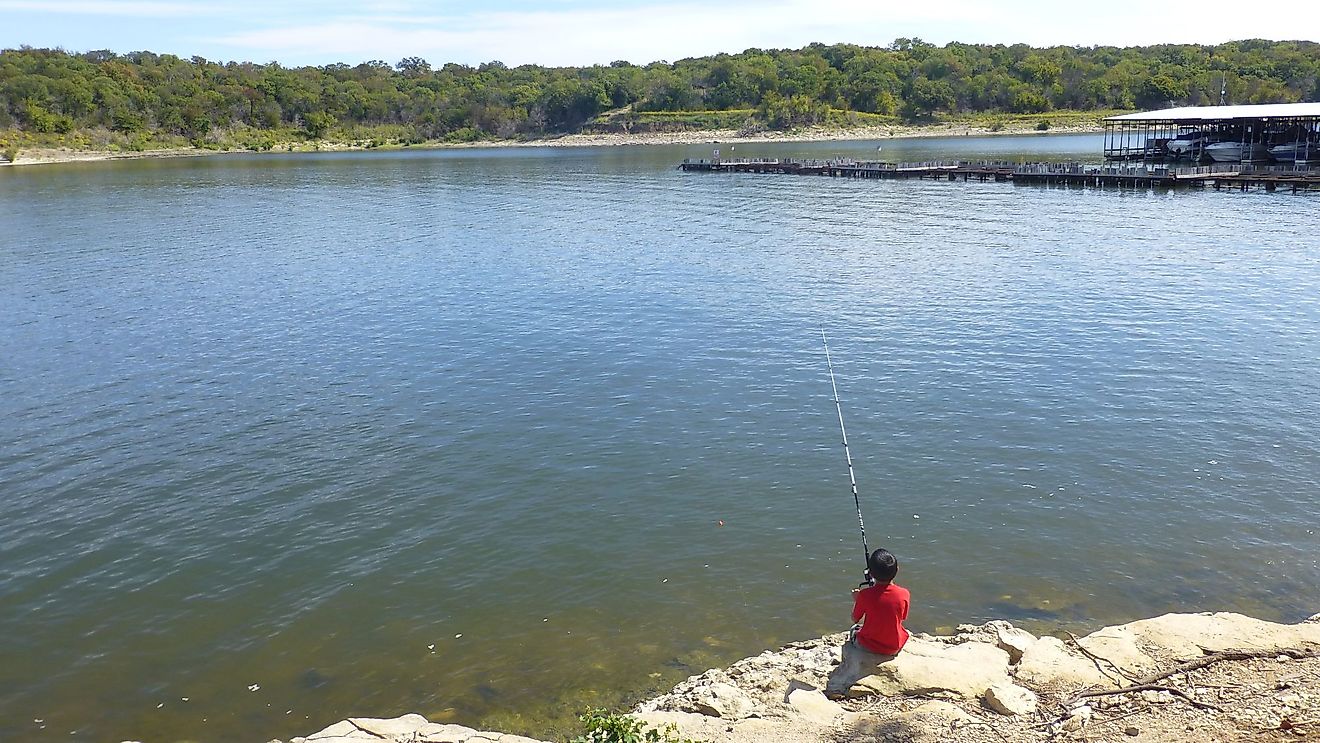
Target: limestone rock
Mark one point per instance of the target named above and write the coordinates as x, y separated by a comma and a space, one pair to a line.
923, 667
722, 700
435, 732
1010, 699
814, 706
395, 727
1313, 619
1014, 641
1119, 645
341, 729
987, 633
687, 722
412, 728
1078, 718
1049, 663
1187, 634
996, 632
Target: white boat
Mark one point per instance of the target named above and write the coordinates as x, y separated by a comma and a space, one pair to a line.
1237, 152
1293, 152
1189, 144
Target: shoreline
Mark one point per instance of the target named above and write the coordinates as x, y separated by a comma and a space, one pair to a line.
56, 155
1207, 676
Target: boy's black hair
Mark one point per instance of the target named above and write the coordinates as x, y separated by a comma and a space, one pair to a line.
883, 565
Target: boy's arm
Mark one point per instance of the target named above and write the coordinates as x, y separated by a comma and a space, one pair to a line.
858, 612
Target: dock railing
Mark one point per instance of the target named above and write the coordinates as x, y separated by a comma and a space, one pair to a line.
1282, 168
1204, 171
1154, 172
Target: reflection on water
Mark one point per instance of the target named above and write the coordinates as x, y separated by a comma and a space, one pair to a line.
499, 435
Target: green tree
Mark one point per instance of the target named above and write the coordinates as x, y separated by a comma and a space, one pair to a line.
927, 97
317, 123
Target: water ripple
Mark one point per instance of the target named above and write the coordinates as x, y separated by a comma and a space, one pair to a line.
292, 420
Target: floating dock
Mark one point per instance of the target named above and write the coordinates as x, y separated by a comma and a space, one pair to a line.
1242, 177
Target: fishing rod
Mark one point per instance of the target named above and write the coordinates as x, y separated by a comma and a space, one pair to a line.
866, 551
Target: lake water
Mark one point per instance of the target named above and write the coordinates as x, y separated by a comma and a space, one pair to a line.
498, 435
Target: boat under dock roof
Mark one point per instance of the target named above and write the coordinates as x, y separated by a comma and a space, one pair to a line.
1287, 133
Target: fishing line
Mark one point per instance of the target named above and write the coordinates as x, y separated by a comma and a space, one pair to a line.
852, 478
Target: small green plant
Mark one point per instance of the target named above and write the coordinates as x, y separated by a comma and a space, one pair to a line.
1043, 125
603, 726
11, 154
257, 140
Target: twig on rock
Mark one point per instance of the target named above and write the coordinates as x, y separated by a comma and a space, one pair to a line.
1145, 687
1123, 677
1149, 682
1192, 665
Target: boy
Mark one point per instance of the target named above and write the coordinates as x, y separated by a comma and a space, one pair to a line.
880, 635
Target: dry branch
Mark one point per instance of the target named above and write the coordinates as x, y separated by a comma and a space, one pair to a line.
1192, 665
1122, 677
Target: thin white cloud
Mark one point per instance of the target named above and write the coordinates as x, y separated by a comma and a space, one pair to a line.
130, 8
570, 33
585, 36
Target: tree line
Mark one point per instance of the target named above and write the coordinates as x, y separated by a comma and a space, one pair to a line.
53, 91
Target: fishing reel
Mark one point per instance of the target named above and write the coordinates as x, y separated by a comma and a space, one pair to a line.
867, 580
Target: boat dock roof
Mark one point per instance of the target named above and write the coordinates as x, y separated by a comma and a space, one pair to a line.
1200, 114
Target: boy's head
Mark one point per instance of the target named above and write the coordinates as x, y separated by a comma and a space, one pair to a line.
883, 566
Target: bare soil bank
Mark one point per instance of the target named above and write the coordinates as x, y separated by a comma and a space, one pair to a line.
46, 156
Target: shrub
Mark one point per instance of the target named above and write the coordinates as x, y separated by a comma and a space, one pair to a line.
464, 134
603, 726
11, 153
43, 121
128, 121
317, 123
256, 140
1043, 125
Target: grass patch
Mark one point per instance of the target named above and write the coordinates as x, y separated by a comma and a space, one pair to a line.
668, 121
998, 120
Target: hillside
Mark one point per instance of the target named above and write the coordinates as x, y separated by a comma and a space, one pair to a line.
141, 100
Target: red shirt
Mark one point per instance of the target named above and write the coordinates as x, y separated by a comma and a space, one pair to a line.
884, 607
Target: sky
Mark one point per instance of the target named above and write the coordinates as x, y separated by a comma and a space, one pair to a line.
584, 32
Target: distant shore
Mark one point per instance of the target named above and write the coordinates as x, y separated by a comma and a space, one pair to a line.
821, 134
55, 155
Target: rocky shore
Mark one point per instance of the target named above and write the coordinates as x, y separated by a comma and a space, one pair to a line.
52, 155
1193, 677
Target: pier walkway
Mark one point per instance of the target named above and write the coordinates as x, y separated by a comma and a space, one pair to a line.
1236, 176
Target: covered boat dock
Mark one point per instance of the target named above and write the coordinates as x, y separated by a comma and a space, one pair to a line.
1242, 176
1282, 134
